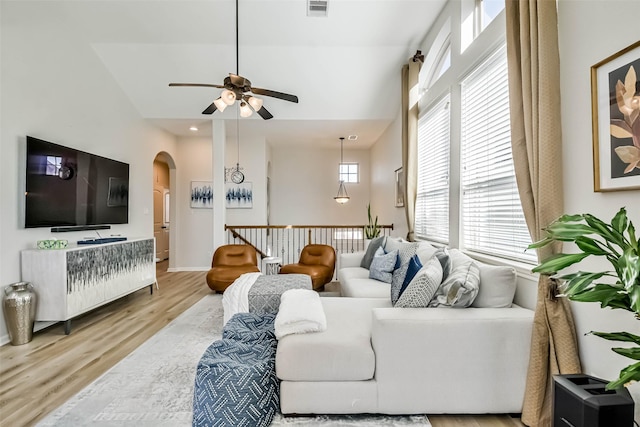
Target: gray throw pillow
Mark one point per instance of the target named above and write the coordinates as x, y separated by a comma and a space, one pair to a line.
445, 261
374, 244
460, 288
383, 265
423, 286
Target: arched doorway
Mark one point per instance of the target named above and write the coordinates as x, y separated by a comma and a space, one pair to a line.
162, 209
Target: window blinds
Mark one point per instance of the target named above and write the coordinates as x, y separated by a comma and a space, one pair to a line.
492, 218
432, 202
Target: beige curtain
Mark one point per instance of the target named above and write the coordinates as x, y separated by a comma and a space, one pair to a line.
410, 75
534, 91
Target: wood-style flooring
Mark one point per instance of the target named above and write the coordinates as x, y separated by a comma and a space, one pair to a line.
37, 377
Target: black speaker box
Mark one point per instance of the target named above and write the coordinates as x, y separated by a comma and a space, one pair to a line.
582, 401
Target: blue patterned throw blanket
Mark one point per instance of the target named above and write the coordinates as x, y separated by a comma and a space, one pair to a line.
236, 383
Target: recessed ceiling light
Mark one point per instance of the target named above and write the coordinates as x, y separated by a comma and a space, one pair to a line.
193, 128
352, 137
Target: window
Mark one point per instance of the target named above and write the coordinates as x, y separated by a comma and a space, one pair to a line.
488, 10
432, 202
349, 172
54, 164
492, 218
476, 15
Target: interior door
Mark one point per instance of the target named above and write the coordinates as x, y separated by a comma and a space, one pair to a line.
159, 228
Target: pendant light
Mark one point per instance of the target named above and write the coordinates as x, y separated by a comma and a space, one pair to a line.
342, 196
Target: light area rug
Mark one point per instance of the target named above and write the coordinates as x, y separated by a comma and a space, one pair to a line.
153, 386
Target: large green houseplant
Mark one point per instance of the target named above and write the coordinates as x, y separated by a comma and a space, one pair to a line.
372, 229
616, 242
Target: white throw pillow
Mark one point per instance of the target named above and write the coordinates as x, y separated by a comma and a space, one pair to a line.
497, 282
497, 286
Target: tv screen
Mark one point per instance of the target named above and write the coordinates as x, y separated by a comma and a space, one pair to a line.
68, 187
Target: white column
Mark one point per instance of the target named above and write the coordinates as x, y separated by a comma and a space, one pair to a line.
218, 138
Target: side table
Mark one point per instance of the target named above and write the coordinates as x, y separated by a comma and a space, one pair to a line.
272, 265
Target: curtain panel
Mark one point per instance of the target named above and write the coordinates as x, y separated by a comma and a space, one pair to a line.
534, 92
410, 97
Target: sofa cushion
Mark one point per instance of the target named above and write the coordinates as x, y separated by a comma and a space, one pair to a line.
460, 288
374, 244
497, 282
383, 265
423, 286
341, 353
365, 288
350, 273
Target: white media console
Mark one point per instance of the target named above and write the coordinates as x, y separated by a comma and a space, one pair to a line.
77, 279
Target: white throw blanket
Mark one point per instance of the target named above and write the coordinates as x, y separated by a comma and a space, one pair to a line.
236, 297
300, 312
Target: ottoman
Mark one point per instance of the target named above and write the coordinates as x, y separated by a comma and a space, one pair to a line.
236, 384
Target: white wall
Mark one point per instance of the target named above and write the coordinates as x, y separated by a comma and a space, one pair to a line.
56, 88
194, 249
304, 182
590, 31
253, 164
386, 157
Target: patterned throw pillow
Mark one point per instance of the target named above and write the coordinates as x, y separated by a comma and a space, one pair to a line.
415, 265
383, 265
423, 286
374, 244
460, 288
406, 250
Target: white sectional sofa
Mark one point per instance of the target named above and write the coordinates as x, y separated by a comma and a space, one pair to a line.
376, 358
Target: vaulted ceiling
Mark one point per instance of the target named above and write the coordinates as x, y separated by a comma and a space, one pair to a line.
345, 67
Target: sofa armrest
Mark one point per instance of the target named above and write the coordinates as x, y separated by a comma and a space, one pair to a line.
351, 259
448, 360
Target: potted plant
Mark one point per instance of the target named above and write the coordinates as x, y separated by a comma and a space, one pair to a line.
371, 230
616, 242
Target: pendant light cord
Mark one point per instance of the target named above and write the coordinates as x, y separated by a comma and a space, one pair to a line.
238, 138
237, 109
237, 43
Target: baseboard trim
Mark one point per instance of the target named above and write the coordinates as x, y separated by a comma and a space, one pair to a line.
177, 269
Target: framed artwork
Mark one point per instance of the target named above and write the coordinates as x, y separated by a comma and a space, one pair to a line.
399, 187
201, 194
615, 103
239, 196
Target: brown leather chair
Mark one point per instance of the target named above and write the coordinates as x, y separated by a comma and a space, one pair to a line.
230, 262
317, 261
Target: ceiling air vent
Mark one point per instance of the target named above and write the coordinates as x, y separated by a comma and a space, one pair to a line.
317, 7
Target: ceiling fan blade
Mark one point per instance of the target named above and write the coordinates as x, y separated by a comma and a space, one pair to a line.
196, 85
274, 94
210, 109
264, 113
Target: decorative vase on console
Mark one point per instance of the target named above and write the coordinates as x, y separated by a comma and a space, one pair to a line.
19, 306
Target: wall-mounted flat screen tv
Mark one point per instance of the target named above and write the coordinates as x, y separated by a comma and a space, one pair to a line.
68, 187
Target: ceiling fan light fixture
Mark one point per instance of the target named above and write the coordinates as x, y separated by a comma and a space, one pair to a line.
255, 102
228, 96
220, 104
245, 111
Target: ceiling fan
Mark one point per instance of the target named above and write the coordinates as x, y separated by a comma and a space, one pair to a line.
239, 88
